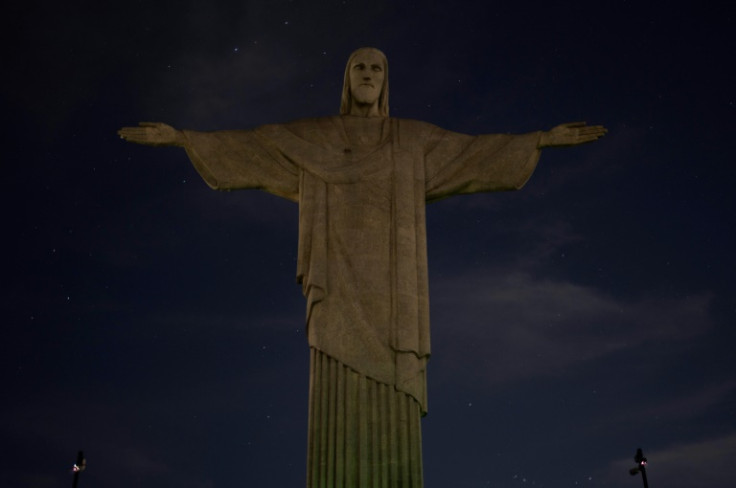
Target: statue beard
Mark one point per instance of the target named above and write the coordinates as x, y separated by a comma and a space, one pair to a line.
365, 95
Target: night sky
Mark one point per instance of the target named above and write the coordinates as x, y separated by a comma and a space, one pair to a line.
156, 324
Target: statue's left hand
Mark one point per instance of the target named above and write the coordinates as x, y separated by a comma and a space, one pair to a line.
152, 134
571, 134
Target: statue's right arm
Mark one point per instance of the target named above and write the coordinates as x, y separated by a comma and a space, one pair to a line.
153, 134
571, 134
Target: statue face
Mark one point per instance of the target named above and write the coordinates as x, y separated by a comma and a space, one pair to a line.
366, 77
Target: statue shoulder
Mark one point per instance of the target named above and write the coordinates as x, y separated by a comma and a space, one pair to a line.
308, 128
418, 124
416, 129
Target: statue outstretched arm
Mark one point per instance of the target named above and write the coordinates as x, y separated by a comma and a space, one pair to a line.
571, 134
153, 134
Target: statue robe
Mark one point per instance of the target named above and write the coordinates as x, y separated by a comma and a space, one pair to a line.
362, 259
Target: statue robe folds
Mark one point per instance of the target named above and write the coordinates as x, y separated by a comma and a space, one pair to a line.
362, 258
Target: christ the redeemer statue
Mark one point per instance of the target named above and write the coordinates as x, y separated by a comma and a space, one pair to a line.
362, 180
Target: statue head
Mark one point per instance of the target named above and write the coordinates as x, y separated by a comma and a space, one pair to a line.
365, 84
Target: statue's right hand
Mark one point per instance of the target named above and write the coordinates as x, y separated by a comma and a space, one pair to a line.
152, 134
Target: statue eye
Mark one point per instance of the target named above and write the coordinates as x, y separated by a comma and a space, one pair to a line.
359, 66
375, 67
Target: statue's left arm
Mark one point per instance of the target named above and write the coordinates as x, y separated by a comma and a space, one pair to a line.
571, 134
459, 164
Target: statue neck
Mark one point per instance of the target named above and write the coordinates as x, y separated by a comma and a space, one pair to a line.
364, 109
365, 131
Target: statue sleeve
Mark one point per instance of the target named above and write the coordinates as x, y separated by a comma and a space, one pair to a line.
457, 163
234, 160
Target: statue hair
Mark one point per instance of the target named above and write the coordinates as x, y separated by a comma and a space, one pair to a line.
346, 102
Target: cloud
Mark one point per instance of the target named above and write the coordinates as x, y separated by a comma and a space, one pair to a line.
694, 403
708, 462
519, 326
258, 71
212, 87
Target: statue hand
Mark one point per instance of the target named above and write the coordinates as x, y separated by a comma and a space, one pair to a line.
571, 134
152, 134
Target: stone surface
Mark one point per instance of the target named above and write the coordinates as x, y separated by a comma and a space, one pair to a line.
362, 180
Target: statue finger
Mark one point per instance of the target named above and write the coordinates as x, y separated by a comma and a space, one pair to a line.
573, 125
594, 131
591, 130
590, 138
128, 131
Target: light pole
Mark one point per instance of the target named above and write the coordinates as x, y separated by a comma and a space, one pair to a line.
641, 467
78, 468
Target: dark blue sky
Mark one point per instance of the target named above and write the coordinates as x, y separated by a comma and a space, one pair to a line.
155, 323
